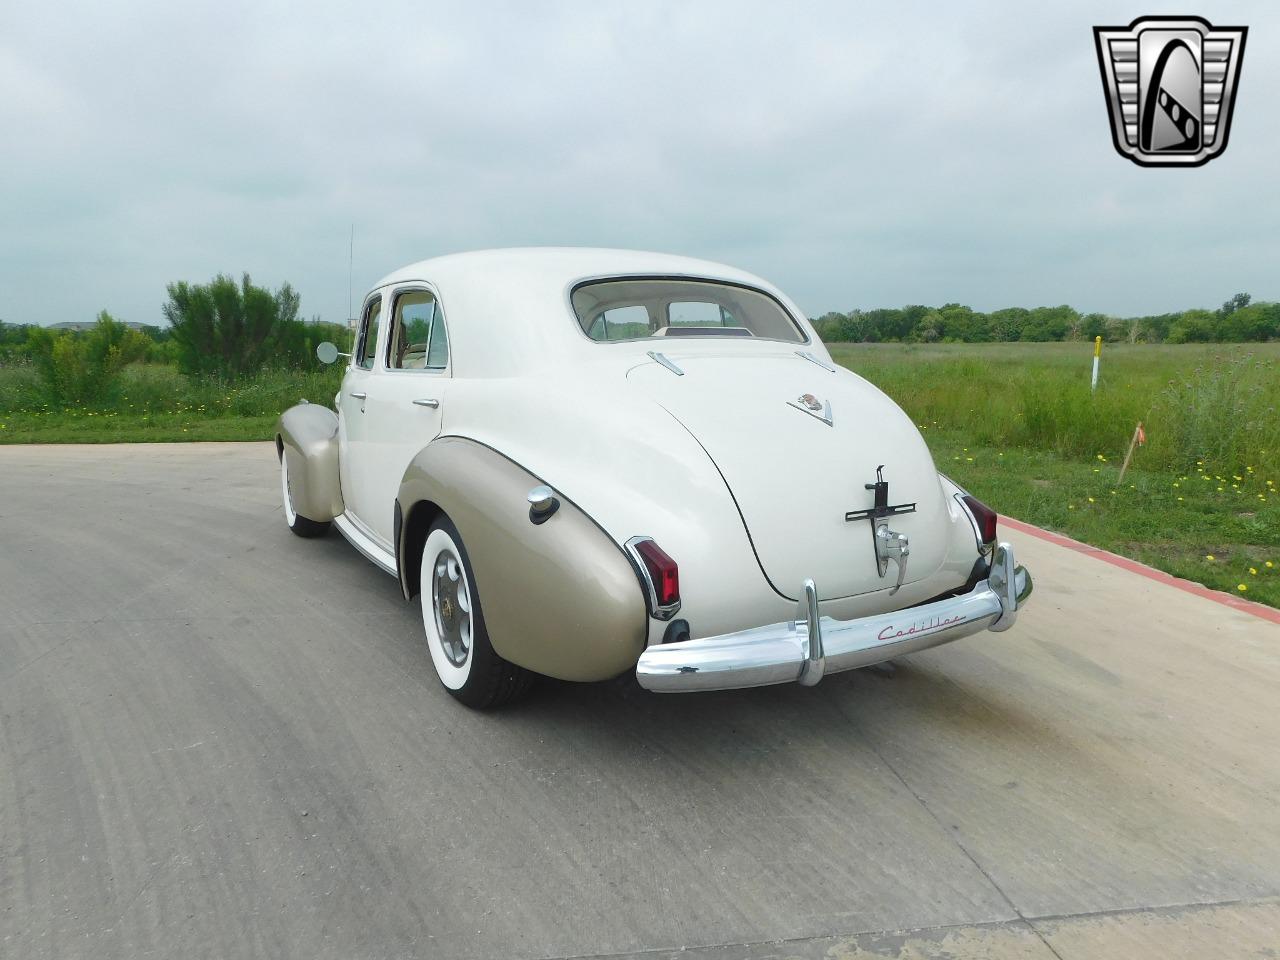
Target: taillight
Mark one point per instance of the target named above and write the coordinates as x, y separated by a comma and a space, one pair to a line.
663, 577
984, 516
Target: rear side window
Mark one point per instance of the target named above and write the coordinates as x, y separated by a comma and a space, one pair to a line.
418, 340
642, 307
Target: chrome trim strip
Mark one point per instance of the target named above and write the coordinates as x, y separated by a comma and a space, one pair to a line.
666, 362
350, 528
651, 592
807, 648
416, 286
973, 521
812, 359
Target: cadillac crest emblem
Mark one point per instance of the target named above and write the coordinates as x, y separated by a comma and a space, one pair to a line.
808, 403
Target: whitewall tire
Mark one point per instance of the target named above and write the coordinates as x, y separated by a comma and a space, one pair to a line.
447, 615
453, 622
300, 525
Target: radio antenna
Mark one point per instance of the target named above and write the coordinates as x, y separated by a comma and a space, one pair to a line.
351, 259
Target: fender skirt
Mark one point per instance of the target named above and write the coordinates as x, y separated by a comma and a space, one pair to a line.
559, 597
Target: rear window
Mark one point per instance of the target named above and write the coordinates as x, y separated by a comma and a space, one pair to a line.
636, 309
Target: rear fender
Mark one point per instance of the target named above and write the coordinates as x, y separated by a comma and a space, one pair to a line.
560, 597
307, 435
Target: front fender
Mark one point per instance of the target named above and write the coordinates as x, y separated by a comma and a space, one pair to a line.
308, 435
559, 598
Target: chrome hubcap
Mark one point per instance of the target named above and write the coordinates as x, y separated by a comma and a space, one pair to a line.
452, 603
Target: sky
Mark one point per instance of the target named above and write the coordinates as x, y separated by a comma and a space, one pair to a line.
855, 154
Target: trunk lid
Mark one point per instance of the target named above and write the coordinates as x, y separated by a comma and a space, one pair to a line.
794, 476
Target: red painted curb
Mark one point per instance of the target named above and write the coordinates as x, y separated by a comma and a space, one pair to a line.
1151, 573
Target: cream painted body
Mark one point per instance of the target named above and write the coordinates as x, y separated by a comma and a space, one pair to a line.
396, 429
655, 479
745, 491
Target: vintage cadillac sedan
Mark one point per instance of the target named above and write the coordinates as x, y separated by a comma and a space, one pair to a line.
588, 462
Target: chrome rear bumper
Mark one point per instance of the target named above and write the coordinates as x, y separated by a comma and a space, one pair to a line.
805, 649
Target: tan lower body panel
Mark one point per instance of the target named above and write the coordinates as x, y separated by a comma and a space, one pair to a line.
559, 598
308, 435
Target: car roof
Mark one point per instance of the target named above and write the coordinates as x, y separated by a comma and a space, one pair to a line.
507, 310
566, 264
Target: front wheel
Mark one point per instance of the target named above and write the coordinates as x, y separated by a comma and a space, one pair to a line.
465, 661
300, 525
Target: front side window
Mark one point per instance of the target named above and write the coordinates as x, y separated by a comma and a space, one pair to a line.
418, 340
639, 308
367, 348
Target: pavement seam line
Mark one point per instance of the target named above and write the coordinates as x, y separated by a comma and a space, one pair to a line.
660, 951
962, 848
1028, 922
1263, 900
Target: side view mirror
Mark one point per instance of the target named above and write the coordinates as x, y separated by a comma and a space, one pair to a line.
328, 353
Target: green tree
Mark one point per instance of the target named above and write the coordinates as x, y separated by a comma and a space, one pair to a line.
1237, 302
963, 323
1093, 325
1254, 321
1050, 323
930, 329
1192, 326
85, 367
229, 329
1155, 329
1009, 323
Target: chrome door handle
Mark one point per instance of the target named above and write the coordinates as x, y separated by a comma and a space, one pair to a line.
427, 402
358, 396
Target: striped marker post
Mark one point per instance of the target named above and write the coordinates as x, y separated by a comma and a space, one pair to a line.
1097, 355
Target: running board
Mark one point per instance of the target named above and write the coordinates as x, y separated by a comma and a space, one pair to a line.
381, 557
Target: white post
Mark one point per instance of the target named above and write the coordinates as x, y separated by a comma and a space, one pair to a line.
1097, 354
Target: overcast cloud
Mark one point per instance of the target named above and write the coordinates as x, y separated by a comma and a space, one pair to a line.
855, 154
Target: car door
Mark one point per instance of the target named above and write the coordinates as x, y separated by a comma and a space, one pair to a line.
405, 405
353, 404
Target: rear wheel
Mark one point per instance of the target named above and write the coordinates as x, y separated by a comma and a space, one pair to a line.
465, 661
300, 525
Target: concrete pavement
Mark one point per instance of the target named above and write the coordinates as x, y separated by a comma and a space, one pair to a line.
219, 740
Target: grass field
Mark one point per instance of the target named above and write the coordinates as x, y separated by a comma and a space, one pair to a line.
1018, 426
1014, 423
158, 404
